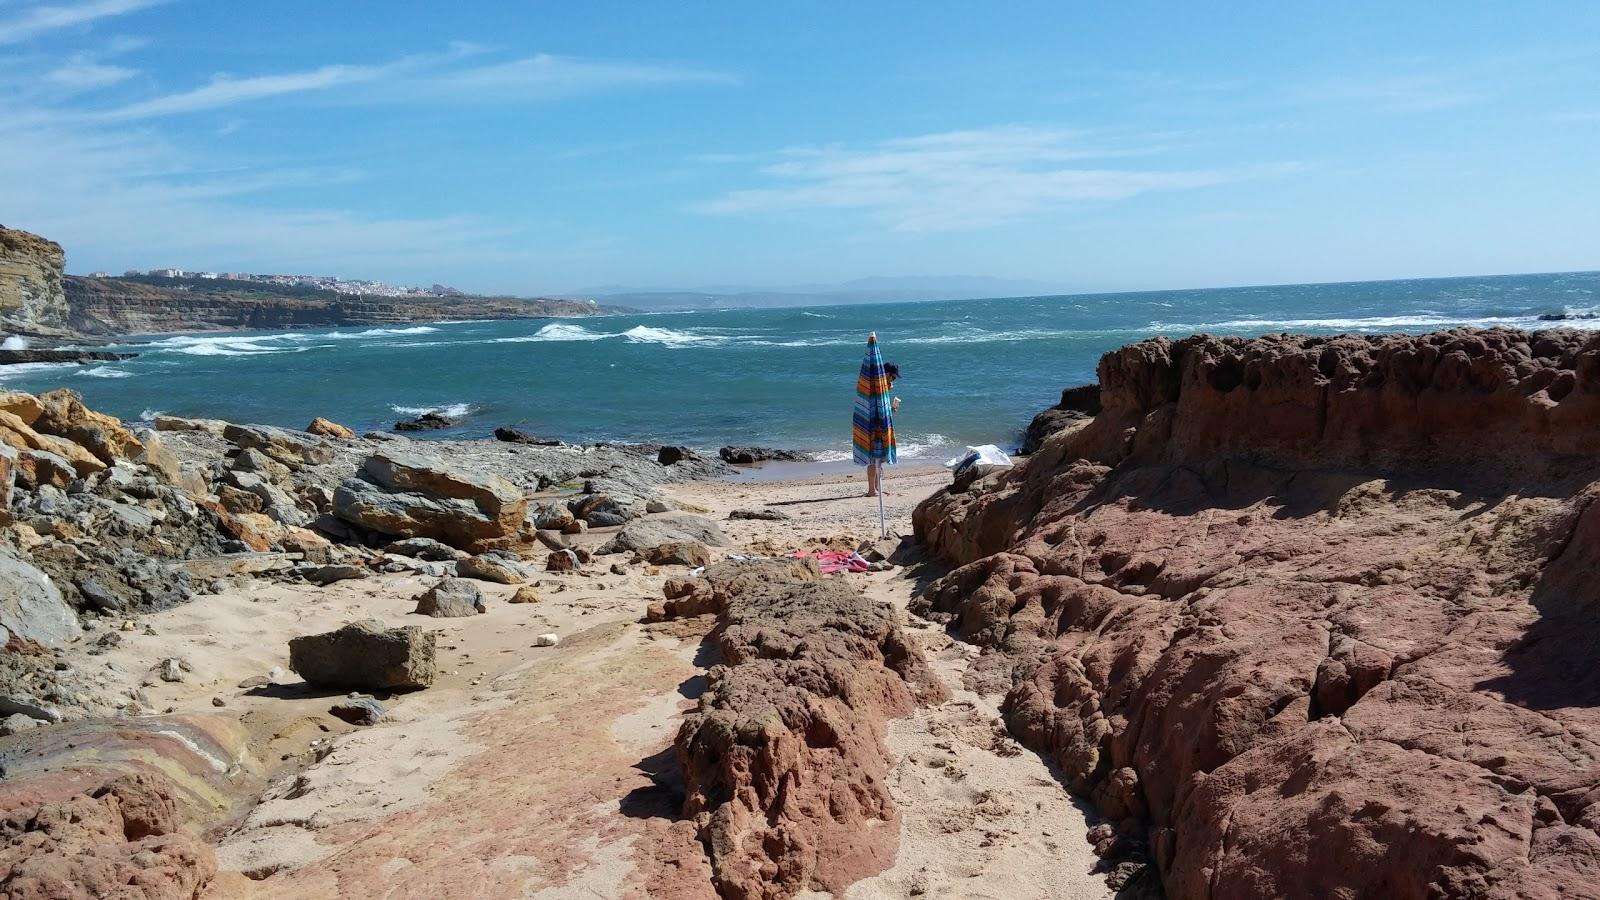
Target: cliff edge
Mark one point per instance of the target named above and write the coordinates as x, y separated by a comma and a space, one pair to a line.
32, 298
1309, 616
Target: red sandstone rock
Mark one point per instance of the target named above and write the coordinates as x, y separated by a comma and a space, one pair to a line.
784, 760
1315, 615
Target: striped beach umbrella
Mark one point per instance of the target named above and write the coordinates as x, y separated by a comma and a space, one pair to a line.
872, 425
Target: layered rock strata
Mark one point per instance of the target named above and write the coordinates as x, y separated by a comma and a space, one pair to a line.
1309, 616
784, 761
32, 298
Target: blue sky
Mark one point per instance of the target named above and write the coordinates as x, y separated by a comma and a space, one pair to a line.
548, 147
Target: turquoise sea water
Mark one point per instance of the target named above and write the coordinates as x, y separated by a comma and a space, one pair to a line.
972, 371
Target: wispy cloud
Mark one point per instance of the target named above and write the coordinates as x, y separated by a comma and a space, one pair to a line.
37, 20
957, 180
455, 76
84, 73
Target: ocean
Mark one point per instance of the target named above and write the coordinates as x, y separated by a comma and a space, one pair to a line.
972, 371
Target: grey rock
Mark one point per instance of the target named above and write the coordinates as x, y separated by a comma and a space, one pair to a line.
16, 723
764, 515
451, 598
648, 533
667, 456
170, 670
292, 448
23, 705
31, 606
359, 711
366, 656
657, 506
745, 456
333, 572
553, 540
98, 596
486, 567
247, 563
552, 517
426, 548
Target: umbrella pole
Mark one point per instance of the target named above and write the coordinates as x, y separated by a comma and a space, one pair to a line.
883, 528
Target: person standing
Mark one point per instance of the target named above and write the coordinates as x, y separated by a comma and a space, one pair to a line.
891, 373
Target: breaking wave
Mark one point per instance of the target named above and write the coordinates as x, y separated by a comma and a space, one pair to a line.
105, 372
453, 410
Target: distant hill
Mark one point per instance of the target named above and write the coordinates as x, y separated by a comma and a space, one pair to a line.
861, 290
145, 304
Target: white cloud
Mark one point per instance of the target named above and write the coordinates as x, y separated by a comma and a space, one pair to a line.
83, 73
427, 78
953, 181
37, 20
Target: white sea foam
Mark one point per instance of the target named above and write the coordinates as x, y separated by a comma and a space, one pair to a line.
7, 372
453, 410
105, 372
559, 331
14, 342
1359, 323
831, 456
378, 332
149, 414
667, 337
231, 345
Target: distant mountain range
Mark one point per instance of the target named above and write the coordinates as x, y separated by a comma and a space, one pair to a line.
860, 290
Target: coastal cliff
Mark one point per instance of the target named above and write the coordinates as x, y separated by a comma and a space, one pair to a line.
106, 306
1308, 616
38, 300
32, 299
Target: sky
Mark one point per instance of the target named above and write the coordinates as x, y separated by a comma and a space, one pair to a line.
543, 148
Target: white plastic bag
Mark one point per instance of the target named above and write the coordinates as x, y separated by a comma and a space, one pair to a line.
979, 460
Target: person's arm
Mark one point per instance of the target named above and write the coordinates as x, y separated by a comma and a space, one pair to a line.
894, 404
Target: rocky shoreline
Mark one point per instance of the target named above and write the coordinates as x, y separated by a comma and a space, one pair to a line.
1343, 647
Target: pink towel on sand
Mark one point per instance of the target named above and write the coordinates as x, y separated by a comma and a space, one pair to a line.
832, 561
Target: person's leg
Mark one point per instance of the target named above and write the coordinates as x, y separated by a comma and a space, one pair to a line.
872, 479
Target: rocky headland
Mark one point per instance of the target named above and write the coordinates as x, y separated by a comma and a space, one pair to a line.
1307, 616
39, 301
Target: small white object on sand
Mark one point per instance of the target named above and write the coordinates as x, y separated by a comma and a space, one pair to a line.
547, 640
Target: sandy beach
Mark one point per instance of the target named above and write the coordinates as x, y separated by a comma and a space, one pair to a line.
530, 771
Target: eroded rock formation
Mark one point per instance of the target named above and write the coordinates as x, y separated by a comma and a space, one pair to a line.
1310, 616
32, 299
784, 761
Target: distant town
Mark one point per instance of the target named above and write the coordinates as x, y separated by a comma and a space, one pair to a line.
322, 282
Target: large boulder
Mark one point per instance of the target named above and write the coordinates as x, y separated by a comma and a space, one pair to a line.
402, 471
451, 598
30, 604
292, 448
406, 495
366, 656
653, 531
63, 414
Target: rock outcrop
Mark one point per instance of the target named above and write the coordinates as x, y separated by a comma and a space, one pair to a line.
115, 808
1309, 616
783, 760
32, 298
